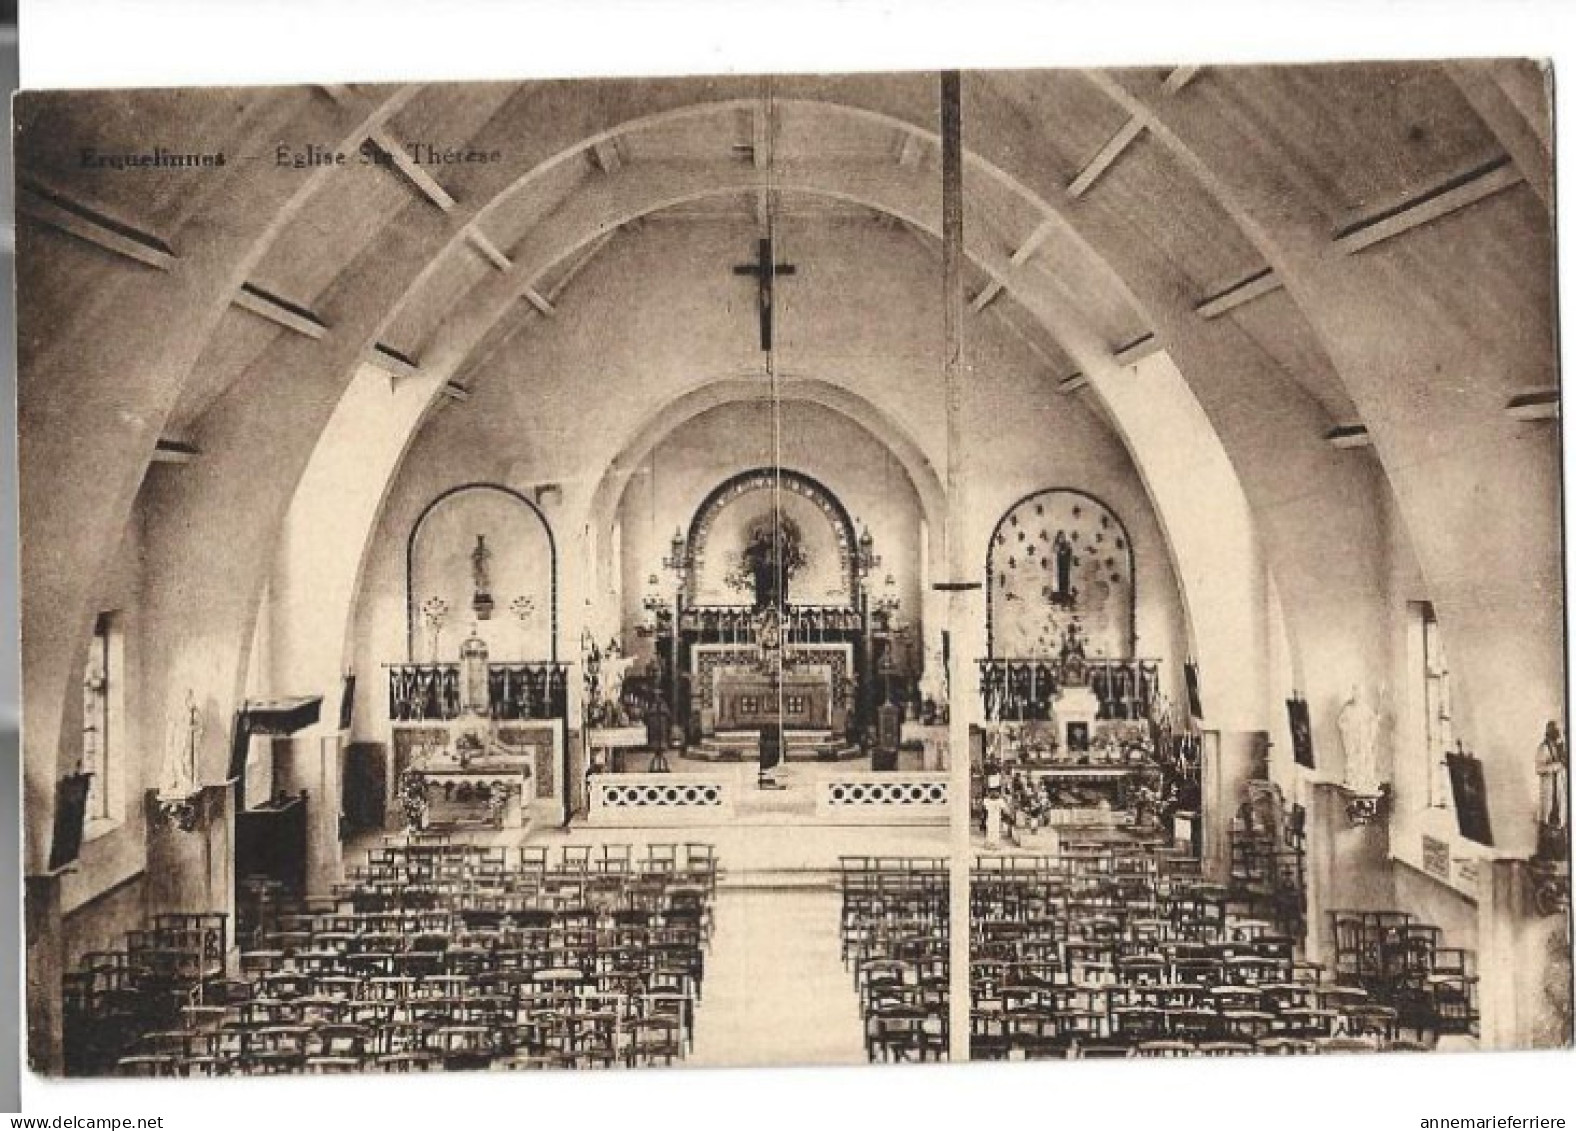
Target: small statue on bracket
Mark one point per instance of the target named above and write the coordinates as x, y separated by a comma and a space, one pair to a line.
182, 743
1359, 726
1550, 869
1553, 796
481, 579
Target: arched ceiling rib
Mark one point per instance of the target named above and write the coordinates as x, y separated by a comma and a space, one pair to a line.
1367, 137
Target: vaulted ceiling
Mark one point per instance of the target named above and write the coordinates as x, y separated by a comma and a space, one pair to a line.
1377, 147
1332, 257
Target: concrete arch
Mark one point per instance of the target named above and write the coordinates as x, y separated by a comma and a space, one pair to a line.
102, 369
639, 442
1372, 310
368, 296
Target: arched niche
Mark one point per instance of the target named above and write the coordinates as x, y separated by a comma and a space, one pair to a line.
1056, 555
521, 571
735, 512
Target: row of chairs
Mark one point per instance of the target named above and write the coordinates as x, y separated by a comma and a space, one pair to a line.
1403, 962
368, 981
1130, 953
117, 995
895, 926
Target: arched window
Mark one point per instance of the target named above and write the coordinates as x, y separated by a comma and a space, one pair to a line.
103, 725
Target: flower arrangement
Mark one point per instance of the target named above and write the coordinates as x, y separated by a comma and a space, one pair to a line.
498, 793
773, 554
413, 800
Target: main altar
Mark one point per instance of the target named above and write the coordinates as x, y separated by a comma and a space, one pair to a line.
731, 691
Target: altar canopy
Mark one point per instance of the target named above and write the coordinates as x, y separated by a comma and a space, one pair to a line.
773, 536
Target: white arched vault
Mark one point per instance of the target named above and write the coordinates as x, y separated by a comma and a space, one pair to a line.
643, 437
897, 192
376, 287
1217, 640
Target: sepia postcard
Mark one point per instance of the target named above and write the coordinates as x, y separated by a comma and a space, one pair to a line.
798, 569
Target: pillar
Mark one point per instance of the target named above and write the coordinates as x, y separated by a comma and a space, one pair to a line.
1523, 963
45, 954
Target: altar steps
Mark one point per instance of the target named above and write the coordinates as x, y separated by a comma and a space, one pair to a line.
799, 746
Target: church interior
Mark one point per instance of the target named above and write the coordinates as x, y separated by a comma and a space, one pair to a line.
809, 569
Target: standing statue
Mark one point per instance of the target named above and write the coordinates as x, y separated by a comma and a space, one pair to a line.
1359, 726
481, 579
1063, 550
615, 669
182, 741
933, 689
1553, 795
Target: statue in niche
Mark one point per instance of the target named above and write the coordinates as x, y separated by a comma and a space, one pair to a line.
1062, 549
481, 601
773, 554
1359, 725
1073, 645
1553, 795
182, 741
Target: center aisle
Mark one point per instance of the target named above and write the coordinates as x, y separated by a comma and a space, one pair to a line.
776, 992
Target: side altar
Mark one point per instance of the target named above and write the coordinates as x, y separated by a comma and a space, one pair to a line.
474, 765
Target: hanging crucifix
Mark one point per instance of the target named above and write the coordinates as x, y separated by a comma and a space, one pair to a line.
765, 271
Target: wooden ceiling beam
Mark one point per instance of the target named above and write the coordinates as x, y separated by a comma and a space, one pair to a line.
1107, 156
280, 311
1534, 404
538, 300
606, 157
498, 341
499, 259
1024, 253
1349, 436
340, 93
87, 223
1002, 313
1145, 345
392, 361
489, 250
1244, 291
414, 173
1180, 77
175, 452
1450, 195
